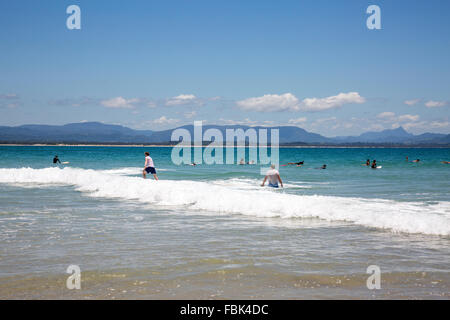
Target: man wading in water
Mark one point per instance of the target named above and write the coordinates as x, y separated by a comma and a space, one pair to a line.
149, 167
274, 177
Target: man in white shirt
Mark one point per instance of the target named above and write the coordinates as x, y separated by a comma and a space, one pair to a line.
149, 167
274, 177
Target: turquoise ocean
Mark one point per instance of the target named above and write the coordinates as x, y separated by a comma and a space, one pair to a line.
211, 231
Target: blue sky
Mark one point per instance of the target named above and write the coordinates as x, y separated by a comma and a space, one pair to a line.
159, 64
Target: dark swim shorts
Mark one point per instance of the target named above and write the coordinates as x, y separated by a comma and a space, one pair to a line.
150, 170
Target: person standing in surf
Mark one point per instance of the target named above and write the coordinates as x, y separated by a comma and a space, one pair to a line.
274, 177
149, 167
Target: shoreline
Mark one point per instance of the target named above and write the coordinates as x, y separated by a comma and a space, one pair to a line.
197, 146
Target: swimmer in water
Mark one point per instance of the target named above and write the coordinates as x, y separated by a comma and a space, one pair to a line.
274, 177
445, 162
374, 164
322, 167
298, 164
56, 160
417, 160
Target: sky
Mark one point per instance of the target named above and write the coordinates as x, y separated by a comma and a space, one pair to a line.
160, 64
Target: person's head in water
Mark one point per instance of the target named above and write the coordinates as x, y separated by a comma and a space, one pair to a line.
324, 166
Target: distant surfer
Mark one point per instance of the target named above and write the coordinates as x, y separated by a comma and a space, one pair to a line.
273, 176
374, 164
56, 160
368, 162
149, 167
407, 159
417, 160
298, 164
445, 162
323, 167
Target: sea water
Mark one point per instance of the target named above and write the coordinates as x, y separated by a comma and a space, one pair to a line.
211, 231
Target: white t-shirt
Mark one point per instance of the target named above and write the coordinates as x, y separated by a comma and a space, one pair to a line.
272, 175
149, 162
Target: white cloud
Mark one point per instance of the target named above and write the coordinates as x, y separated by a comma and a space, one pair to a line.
323, 120
376, 127
9, 100
164, 120
182, 99
408, 117
151, 104
440, 124
9, 96
298, 120
289, 102
120, 102
246, 122
412, 102
270, 102
423, 126
344, 125
434, 104
190, 114
386, 115
231, 122
316, 104
392, 117
11, 105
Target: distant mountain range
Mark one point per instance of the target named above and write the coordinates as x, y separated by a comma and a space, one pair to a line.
96, 132
395, 136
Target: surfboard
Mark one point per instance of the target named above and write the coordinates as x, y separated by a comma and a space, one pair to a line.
65, 162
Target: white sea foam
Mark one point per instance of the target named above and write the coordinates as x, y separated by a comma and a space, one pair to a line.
252, 184
227, 199
128, 171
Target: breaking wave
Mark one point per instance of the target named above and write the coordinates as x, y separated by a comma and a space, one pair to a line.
233, 197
